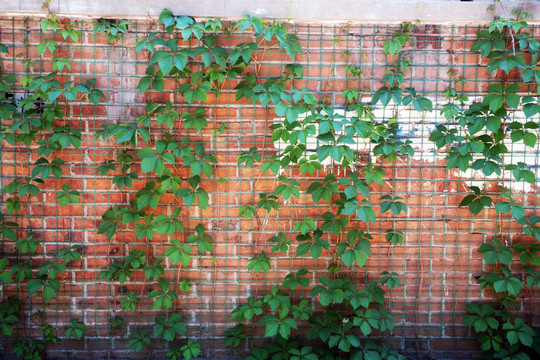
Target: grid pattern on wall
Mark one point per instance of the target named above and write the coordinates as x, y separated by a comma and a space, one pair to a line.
438, 262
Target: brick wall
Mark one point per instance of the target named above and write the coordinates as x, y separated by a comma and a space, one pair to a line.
438, 263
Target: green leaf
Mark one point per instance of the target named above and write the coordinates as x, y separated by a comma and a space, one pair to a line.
271, 329
530, 139
166, 63
366, 213
180, 61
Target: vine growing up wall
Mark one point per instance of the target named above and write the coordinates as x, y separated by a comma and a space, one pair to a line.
343, 313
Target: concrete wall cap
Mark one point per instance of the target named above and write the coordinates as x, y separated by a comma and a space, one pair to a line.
389, 11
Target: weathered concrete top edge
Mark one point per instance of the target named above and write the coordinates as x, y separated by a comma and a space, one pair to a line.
372, 11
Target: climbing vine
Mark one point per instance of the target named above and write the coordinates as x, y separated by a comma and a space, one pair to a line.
486, 128
354, 145
347, 308
39, 118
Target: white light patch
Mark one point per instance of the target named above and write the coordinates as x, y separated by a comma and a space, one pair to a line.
417, 126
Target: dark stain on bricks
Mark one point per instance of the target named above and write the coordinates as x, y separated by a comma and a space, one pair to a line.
225, 224
427, 37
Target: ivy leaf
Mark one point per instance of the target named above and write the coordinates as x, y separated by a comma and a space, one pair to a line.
476, 202
496, 252
355, 249
511, 285
365, 212
530, 139
167, 18
191, 350
519, 332
423, 104
180, 61
259, 263
179, 253
394, 236
144, 84
166, 62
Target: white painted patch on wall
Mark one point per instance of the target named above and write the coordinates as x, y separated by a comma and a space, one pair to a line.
259, 11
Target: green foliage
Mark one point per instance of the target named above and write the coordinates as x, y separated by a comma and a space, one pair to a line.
129, 303
49, 334
50, 286
169, 328
44, 168
496, 252
477, 201
22, 272
138, 339
200, 69
116, 322
154, 78
191, 349
390, 279
196, 192
13, 205
324, 190
202, 240
391, 203
259, 263
66, 136
293, 281
395, 44
394, 236
6, 276
355, 249
511, 206
38, 119
288, 188
109, 226
501, 332
258, 354
169, 225
481, 318
113, 30
281, 243
519, 332
179, 253
233, 337
154, 270
122, 270
247, 311
23, 187
520, 172
250, 157
76, 329
67, 196
268, 202
162, 297
154, 160
9, 315
69, 254
312, 243
195, 120
28, 244
185, 285
7, 228
29, 350
275, 325
331, 291
247, 211
125, 179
